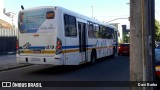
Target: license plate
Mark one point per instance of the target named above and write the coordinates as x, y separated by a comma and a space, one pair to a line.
36, 51
35, 59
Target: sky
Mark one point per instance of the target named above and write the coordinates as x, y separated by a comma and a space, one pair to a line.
103, 10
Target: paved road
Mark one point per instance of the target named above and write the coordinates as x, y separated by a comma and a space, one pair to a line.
112, 69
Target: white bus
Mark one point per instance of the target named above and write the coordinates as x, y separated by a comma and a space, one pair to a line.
57, 36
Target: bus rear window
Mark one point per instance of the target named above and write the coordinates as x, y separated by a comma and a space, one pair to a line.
50, 15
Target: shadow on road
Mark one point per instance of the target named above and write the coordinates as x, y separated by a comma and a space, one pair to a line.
57, 70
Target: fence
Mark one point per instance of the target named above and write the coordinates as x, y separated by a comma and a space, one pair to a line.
8, 38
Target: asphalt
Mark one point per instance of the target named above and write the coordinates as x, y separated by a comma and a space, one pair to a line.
8, 62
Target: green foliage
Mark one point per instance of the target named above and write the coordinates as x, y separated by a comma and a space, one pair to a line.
126, 38
157, 30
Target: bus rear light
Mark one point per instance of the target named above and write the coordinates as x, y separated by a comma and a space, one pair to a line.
17, 47
59, 46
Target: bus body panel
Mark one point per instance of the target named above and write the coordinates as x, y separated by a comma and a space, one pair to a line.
52, 60
103, 47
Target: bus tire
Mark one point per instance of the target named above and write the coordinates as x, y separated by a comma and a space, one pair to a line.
113, 55
93, 56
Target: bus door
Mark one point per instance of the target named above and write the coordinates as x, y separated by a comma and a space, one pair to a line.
82, 40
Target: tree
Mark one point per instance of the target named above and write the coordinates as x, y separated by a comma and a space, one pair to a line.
126, 37
157, 30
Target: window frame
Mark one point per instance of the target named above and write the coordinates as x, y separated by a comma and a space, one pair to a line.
90, 29
68, 25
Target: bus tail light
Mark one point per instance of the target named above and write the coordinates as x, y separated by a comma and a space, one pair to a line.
59, 46
17, 47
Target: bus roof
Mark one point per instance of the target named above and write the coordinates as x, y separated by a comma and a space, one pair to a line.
67, 11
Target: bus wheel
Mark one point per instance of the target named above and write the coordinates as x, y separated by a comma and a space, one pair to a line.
113, 55
93, 57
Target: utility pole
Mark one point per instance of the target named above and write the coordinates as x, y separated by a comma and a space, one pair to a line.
92, 11
142, 42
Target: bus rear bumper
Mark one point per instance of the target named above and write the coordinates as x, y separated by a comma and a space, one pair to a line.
55, 60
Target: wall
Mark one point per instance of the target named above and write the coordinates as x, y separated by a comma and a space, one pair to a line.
8, 39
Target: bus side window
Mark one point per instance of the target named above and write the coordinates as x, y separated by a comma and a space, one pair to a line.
70, 26
109, 33
104, 35
94, 30
97, 31
100, 31
112, 33
90, 30
115, 34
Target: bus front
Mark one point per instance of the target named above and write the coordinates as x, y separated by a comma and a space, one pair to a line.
37, 39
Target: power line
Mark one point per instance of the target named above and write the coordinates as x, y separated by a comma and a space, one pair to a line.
116, 19
114, 16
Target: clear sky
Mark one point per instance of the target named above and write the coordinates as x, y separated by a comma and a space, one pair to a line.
102, 9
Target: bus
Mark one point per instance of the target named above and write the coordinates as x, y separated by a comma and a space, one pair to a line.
57, 36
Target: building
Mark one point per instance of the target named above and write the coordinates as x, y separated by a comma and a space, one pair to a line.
13, 18
5, 21
123, 26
